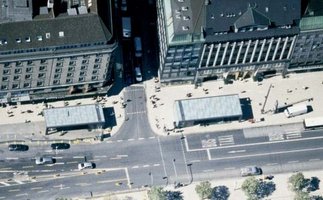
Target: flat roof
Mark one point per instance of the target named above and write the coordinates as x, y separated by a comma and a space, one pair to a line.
208, 108
74, 115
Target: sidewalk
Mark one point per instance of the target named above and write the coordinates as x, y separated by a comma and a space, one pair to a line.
282, 191
294, 88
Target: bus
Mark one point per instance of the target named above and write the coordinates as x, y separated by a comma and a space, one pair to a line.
138, 47
313, 123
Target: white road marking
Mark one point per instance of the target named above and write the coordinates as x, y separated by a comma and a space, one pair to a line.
19, 195
128, 177
115, 158
30, 166
294, 161
139, 112
109, 181
14, 190
122, 156
315, 159
156, 165
293, 135
271, 164
59, 163
4, 169
226, 140
59, 157
145, 166
152, 137
71, 162
162, 156
36, 188
271, 153
2, 197
195, 161
19, 182
42, 191
131, 139
237, 151
208, 170
119, 140
109, 142
229, 168
48, 151
15, 158
78, 156
135, 167
82, 184
94, 160
208, 154
4, 183
141, 138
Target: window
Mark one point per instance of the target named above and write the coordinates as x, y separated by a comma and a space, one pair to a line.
43, 61
6, 71
28, 76
29, 69
17, 71
69, 80
6, 64
41, 75
4, 87
83, 67
85, 61
73, 58
71, 69
82, 73
57, 76
40, 83
94, 78
16, 78
18, 64
81, 79
26, 85
29, 62
96, 66
15, 86
95, 72
59, 64
56, 82
5, 78
97, 60
42, 68
72, 63
60, 59
69, 74
58, 70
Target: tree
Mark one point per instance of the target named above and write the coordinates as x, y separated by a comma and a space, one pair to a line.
297, 182
300, 195
204, 190
220, 193
316, 197
173, 195
156, 193
257, 189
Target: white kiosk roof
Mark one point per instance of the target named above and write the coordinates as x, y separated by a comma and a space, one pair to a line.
74, 115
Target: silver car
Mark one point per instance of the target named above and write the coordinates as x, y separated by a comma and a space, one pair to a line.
250, 171
85, 165
44, 160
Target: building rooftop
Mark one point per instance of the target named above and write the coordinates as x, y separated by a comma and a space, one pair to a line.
207, 108
74, 116
17, 10
58, 32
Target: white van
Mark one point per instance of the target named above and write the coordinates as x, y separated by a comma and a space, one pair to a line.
138, 47
138, 74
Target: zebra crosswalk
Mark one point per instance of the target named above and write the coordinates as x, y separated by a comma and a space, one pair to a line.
15, 182
293, 135
226, 140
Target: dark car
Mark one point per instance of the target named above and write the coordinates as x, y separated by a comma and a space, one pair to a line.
60, 146
18, 147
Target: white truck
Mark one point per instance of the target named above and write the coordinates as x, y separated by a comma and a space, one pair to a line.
126, 27
296, 110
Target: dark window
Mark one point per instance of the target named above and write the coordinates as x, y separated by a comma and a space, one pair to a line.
69, 80
15, 85
41, 75
6, 71
94, 78
72, 63
58, 70
28, 76
40, 83
83, 67
29, 69
16, 78
26, 85
43, 61
97, 60
56, 82
4, 87
82, 73
18, 63
85, 61
57, 76
42, 68
69, 74
29, 62
17, 71
96, 66
71, 69
59, 64
5, 78
81, 79
95, 72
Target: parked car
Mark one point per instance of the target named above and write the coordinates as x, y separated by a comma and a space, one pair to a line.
60, 146
44, 160
124, 6
85, 165
18, 147
251, 171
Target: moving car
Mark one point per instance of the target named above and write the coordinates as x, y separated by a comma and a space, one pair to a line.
85, 165
18, 147
124, 6
138, 74
60, 146
44, 160
250, 171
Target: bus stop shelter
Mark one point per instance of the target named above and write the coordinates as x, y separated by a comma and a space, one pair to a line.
91, 116
215, 109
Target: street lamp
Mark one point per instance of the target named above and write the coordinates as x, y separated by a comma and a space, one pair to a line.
175, 171
151, 179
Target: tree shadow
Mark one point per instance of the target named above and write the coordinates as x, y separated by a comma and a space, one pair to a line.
313, 184
220, 193
266, 188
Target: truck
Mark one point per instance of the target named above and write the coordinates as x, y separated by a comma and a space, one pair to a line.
126, 27
295, 110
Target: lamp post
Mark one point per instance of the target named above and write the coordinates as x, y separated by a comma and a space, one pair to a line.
151, 179
175, 171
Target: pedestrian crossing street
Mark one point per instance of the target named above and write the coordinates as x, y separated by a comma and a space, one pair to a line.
283, 136
224, 140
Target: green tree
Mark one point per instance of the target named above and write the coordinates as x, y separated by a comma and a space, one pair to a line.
173, 195
256, 189
297, 182
220, 193
300, 195
204, 190
156, 193
316, 197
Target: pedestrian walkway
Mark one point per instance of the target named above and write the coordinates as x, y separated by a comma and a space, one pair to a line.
283, 91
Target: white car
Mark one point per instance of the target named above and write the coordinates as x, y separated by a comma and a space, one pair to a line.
44, 160
85, 165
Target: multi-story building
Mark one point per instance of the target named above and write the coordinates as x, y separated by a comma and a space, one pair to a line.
202, 39
55, 55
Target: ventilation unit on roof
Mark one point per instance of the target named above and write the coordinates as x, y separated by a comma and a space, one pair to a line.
61, 34
184, 8
180, 0
39, 37
47, 35
267, 9
186, 18
178, 16
28, 39
18, 40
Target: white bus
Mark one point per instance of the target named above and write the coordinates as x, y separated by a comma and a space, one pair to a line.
138, 47
313, 123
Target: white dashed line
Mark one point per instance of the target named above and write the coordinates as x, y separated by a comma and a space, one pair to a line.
14, 190
271, 164
2, 197
42, 191
59, 163
36, 188
131, 139
156, 165
313, 160
229, 168
141, 138
119, 140
71, 162
209, 170
145, 166
12, 158
19, 182
78, 156
58, 157
100, 156
153, 137
294, 161
195, 161
135, 167
19, 195
30, 166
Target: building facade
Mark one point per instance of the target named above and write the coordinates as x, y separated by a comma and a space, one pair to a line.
226, 39
55, 55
